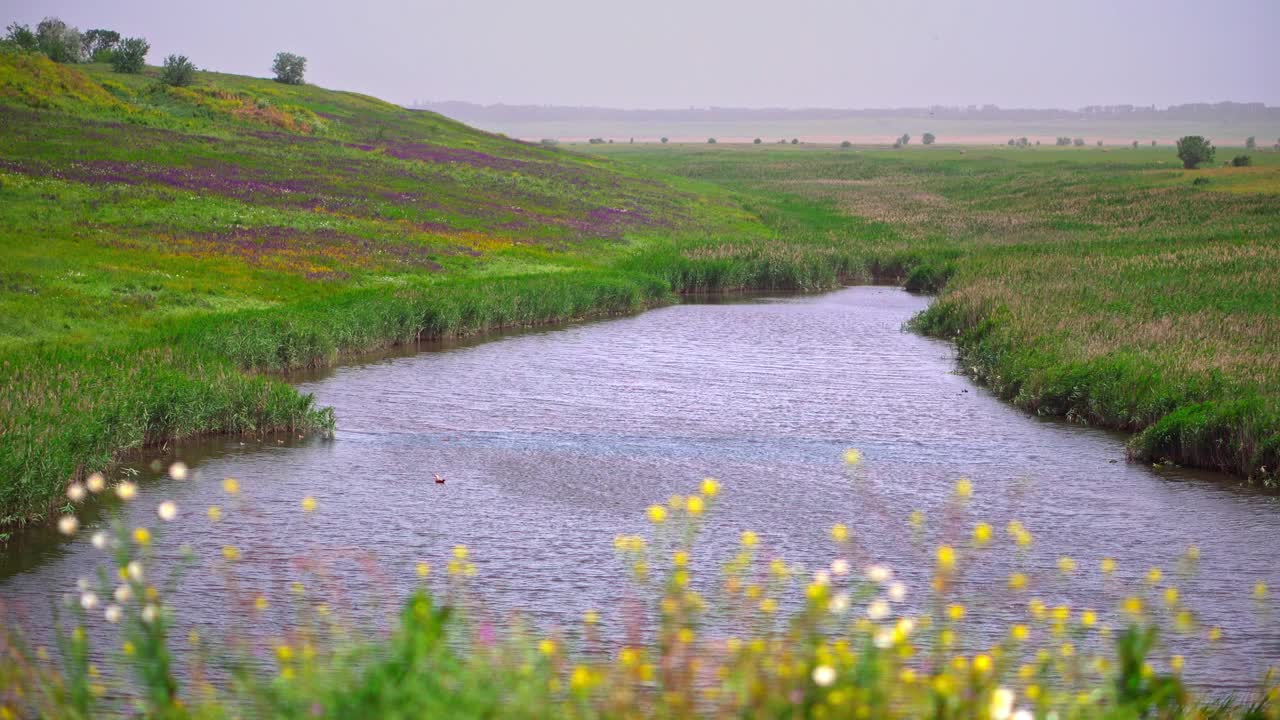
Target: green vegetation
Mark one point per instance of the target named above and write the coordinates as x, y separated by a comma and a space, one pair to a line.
159, 242
759, 636
1193, 150
1099, 286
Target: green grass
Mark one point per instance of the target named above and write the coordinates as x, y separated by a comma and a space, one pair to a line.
1095, 284
157, 244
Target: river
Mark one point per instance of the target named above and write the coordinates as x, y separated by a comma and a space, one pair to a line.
555, 441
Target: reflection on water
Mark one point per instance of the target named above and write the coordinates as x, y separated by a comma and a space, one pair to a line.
553, 442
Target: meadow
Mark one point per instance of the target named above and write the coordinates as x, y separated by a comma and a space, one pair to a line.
1106, 285
170, 254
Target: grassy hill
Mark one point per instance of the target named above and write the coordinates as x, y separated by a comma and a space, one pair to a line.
156, 243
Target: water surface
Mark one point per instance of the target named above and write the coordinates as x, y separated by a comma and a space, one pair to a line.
555, 441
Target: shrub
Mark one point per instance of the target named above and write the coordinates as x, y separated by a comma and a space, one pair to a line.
846, 144
1250, 143
756, 141
795, 141
1135, 144
904, 139
289, 68
1193, 150
1241, 161
1200, 181
1078, 142
549, 142
1153, 143
596, 141
20, 37
711, 141
99, 45
58, 40
178, 71
1099, 143
1063, 141
130, 56
1010, 143
664, 141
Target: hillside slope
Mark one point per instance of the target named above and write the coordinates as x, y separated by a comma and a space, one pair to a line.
156, 243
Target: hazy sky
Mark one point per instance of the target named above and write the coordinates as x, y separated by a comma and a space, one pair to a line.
678, 53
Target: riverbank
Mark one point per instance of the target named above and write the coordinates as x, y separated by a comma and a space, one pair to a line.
1107, 286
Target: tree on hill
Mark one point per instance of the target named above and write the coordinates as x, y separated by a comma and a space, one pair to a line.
928, 138
904, 139
178, 71
1193, 150
98, 45
289, 68
1250, 143
20, 37
130, 56
58, 40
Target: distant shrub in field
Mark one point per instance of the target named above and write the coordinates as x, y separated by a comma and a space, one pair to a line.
756, 141
1078, 142
1153, 143
1200, 181
928, 138
711, 141
1010, 143
1241, 161
58, 40
178, 71
1250, 143
795, 141
20, 37
1023, 142
845, 144
1135, 144
664, 141
99, 45
549, 142
130, 55
905, 139
600, 141
289, 68
1193, 150
1099, 143
1063, 141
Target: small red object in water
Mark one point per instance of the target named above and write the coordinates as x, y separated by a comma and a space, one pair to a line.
439, 480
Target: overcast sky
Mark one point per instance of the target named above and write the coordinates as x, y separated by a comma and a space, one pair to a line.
680, 53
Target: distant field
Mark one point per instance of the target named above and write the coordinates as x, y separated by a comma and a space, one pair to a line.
1098, 284
883, 130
